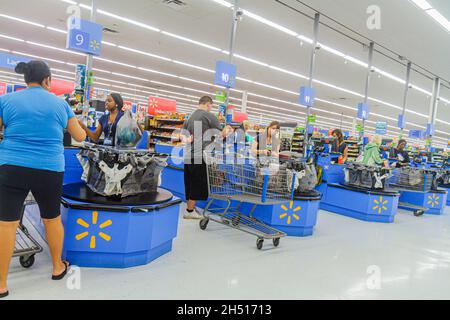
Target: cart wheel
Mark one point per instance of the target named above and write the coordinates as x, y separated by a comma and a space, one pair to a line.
26, 262
204, 223
276, 242
419, 213
259, 243
235, 221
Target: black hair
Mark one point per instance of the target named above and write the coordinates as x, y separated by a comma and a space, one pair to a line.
275, 124
118, 100
34, 71
205, 100
339, 134
401, 141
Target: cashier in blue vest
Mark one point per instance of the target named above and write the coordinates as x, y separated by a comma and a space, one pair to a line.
107, 125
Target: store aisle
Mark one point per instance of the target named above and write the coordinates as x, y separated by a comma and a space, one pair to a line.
412, 255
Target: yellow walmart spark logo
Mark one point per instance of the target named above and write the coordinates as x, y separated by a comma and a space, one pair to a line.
290, 212
433, 200
95, 45
380, 205
93, 241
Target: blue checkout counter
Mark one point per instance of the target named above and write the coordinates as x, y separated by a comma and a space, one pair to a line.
361, 204
173, 175
433, 201
366, 205
114, 233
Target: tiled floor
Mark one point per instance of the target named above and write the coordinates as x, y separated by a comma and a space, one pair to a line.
345, 259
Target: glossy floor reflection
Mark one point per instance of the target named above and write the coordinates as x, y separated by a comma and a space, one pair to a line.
345, 259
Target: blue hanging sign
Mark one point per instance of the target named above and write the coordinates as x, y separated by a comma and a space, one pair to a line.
84, 36
363, 111
307, 96
8, 61
430, 130
381, 128
225, 74
416, 134
401, 121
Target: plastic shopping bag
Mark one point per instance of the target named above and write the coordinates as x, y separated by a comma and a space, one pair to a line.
128, 133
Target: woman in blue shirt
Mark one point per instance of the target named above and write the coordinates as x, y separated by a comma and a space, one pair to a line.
108, 122
32, 160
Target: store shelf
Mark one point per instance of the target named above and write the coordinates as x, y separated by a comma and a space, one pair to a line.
171, 120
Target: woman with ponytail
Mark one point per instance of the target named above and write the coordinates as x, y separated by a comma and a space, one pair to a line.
32, 160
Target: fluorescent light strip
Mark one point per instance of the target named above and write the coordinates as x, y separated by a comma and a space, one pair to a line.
208, 84
145, 53
191, 41
11, 38
251, 60
270, 23
158, 72
193, 66
115, 62
282, 70
136, 23
38, 57
326, 48
54, 48
101, 70
109, 44
22, 20
338, 88
57, 30
437, 16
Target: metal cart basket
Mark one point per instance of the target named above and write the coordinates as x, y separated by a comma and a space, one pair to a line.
236, 180
26, 247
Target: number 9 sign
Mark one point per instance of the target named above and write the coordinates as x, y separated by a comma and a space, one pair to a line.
85, 38
79, 39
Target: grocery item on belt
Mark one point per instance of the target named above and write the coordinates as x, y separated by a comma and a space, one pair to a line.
127, 133
108, 171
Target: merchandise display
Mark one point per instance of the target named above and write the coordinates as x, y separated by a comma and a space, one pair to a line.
369, 177
353, 149
224, 150
117, 172
164, 129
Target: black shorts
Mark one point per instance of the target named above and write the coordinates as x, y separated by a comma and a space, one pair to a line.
196, 182
17, 182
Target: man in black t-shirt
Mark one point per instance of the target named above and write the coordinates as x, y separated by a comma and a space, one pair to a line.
199, 131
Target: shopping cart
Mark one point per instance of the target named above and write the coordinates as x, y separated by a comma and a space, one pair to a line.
236, 180
26, 247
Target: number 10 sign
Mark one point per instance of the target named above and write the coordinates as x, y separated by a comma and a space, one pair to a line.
84, 36
225, 74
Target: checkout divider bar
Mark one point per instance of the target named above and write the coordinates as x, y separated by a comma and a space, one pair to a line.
122, 209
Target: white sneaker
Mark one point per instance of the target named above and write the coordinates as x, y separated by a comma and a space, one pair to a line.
194, 215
